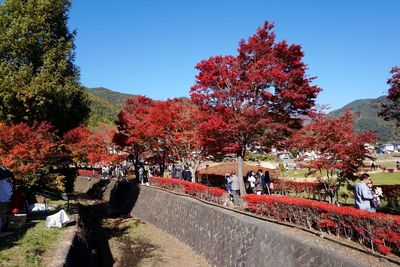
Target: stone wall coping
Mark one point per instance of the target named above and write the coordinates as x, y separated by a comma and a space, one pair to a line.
59, 257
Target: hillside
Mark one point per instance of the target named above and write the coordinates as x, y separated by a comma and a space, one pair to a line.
101, 111
115, 98
366, 118
105, 105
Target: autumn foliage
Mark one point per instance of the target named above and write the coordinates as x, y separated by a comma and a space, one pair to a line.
335, 142
160, 131
25, 149
255, 98
212, 194
379, 230
285, 186
91, 148
261, 91
132, 134
391, 110
340, 152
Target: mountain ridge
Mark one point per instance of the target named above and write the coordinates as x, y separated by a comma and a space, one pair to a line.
365, 115
106, 104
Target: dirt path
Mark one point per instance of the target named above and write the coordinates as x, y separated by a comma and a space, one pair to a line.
136, 243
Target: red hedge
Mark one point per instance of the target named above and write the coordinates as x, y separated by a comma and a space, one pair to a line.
381, 231
378, 230
88, 172
212, 194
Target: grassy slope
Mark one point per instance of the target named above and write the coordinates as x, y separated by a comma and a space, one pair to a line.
101, 111
114, 98
28, 245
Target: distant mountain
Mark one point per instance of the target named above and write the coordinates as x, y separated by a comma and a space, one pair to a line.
105, 105
101, 111
366, 118
115, 98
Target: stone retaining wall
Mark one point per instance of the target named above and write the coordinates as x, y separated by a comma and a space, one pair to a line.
227, 238
222, 236
94, 187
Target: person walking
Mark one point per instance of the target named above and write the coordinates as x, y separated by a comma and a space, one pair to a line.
252, 181
234, 180
228, 185
141, 175
267, 182
258, 185
187, 174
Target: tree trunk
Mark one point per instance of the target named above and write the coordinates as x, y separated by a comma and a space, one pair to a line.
136, 166
240, 175
336, 192
194, 170
162, 156
162, 169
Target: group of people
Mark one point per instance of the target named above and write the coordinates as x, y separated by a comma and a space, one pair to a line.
112, 170
233, 187
182, 174
366, 196
256, 183
144, 173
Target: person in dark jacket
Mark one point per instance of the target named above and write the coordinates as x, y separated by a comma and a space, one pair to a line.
259, 185
266, 180
187, 175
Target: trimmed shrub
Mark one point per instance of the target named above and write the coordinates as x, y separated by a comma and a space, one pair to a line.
376, 230
213, 194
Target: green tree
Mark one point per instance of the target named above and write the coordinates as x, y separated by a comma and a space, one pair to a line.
39, 81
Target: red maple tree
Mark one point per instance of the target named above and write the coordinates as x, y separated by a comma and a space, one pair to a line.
91, 148
161, 131
132, 132
176, 121
75, 140
391, 110
257, 96
340, 152
26, 150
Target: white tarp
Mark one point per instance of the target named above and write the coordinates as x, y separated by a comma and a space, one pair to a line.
5, 190
57, 220
39, 207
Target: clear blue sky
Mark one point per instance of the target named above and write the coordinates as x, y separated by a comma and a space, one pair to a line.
151, 47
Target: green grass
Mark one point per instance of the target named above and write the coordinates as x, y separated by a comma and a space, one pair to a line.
388, 156
131, 228
294, 173
387, 164
28, 245
385, 178
379, 178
